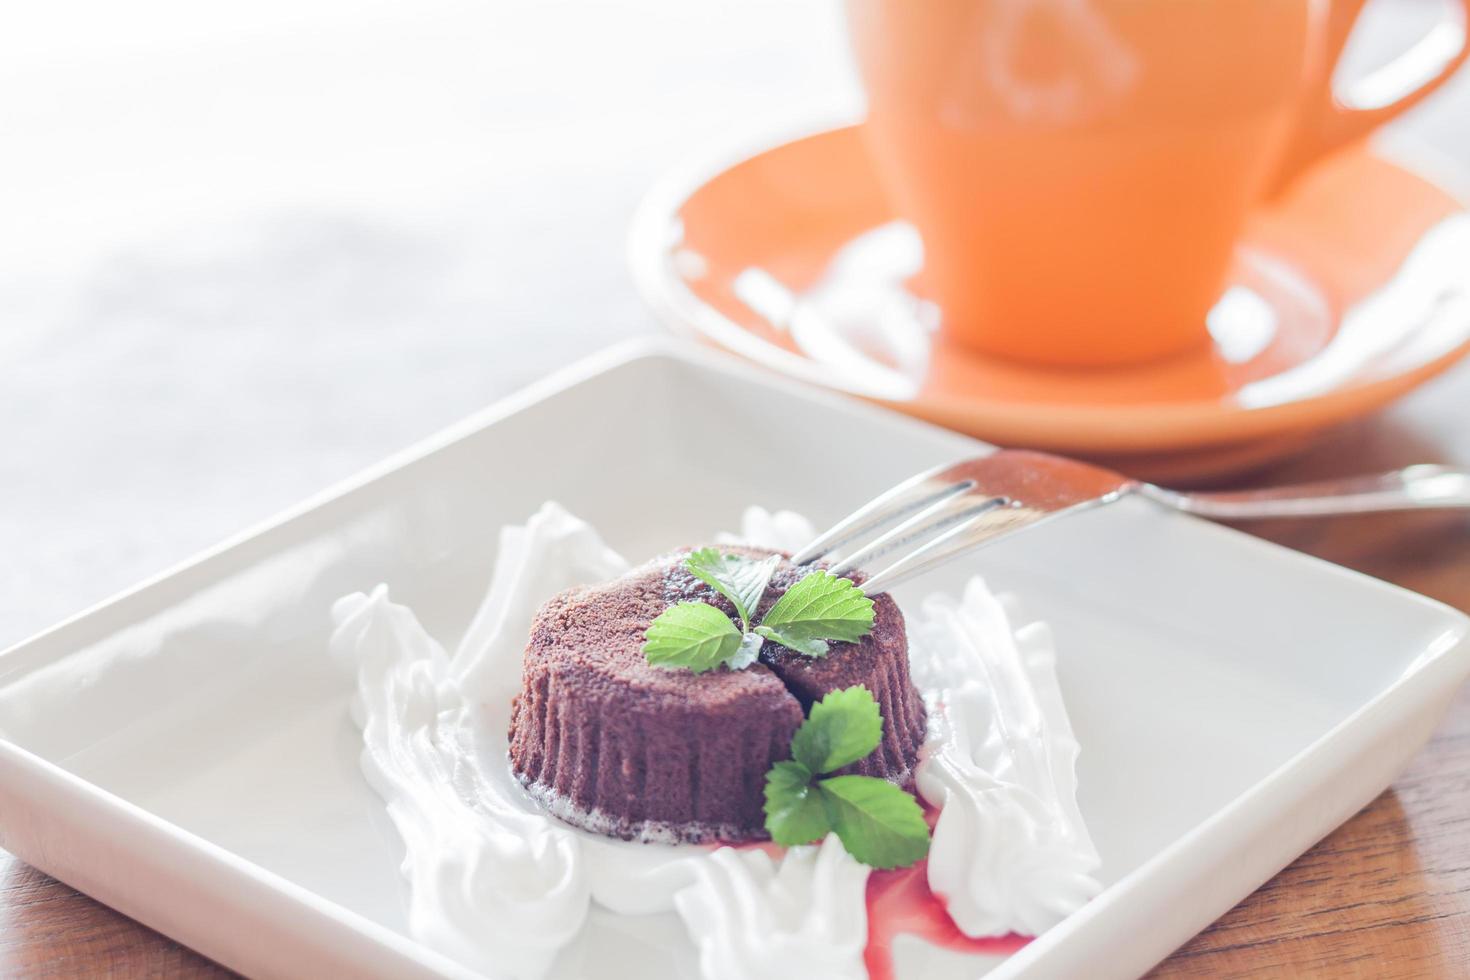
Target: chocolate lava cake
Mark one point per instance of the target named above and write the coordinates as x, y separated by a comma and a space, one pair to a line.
610, 743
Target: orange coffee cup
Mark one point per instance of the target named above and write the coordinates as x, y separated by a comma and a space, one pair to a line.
1080, 170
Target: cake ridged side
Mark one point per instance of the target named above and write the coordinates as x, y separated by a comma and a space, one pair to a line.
618, 746
691, 770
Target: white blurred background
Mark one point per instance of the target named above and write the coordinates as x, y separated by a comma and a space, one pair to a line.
248, 248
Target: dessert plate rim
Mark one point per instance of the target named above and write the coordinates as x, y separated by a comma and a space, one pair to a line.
175, 881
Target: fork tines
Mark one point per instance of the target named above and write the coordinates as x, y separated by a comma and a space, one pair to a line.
935, 516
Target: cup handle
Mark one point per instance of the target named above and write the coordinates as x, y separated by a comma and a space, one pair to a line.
1328, 122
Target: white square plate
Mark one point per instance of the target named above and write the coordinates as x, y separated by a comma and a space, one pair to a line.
184, 752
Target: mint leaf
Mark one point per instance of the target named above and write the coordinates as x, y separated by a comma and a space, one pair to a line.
810, 647
795, 813
741, 580
821, 606
842, 728
878, 823
692, 634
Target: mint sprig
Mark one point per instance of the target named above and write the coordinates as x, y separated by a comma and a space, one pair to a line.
878, 823
819, 609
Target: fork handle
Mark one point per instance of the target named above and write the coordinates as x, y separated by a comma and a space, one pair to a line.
1412, 488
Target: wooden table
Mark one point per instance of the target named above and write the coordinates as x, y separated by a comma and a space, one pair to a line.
1386, 895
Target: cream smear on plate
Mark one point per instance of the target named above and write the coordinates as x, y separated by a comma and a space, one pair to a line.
496, 882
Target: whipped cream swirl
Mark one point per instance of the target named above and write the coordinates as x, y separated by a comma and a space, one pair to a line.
801, 915
497, 883
1010, 852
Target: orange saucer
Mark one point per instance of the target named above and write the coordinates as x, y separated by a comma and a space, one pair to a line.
1347, 291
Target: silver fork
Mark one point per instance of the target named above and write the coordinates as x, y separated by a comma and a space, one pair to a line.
946, 512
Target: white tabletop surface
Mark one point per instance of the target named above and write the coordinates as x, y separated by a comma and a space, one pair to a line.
249, 248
